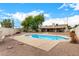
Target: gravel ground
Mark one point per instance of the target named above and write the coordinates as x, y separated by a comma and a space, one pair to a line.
11, 47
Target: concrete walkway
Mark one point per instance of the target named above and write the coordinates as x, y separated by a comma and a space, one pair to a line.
42, 44
62, 49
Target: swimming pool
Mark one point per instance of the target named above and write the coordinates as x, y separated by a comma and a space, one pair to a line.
48, 37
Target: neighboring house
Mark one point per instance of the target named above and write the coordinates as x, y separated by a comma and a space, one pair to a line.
54, 28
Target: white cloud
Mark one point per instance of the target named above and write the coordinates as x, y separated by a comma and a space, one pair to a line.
18, 15
75, 6
71, 21
21, 16
3, 17
55, 21
47, 15
62, 6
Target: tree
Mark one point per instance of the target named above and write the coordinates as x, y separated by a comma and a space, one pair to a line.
33, 23
37, 22
56, 24
27, 23
69, 27
76, 26
7, 23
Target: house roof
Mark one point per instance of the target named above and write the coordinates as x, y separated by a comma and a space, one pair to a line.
56, 26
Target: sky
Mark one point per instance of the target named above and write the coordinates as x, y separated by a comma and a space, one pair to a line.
54, 12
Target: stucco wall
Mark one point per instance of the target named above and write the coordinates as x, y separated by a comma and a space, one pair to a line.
8, 31
77, 31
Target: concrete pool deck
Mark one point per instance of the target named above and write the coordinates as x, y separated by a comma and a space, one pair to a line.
45, 45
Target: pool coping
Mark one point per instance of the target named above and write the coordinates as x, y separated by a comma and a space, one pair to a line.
66, 37
45, 45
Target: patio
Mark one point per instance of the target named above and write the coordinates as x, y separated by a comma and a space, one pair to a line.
62, 49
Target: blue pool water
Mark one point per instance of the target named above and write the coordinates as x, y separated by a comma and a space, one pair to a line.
48, 37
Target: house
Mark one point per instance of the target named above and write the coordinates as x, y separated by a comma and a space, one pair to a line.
54, 28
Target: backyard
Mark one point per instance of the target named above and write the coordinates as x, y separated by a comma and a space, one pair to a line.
11, 47
39, 30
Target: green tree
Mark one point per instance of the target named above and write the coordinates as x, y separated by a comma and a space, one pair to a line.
33, 23
7, 23
37, 22
76, 26
69, 27
27, 23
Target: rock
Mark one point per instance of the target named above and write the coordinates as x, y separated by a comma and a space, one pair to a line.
21, 43
9, 47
